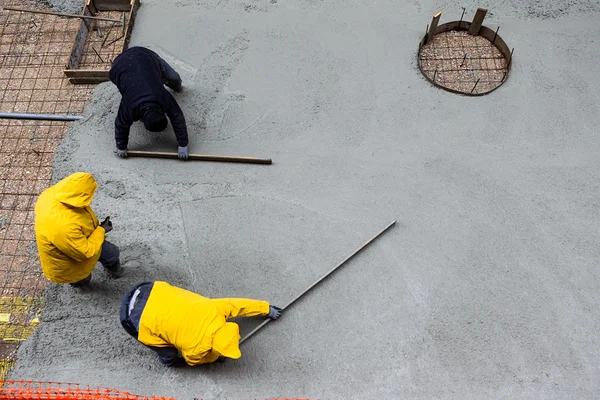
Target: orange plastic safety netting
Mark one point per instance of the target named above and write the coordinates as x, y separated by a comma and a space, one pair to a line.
32, 390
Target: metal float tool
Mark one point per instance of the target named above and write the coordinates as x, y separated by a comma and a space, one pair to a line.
266, 321
199, 157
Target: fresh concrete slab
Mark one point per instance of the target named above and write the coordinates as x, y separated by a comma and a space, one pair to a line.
486, 288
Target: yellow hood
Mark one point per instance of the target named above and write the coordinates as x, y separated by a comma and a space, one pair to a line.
226, 341
68, 237
76, 190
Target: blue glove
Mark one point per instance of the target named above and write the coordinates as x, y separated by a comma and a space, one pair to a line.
274, 312
122, 153
183, 153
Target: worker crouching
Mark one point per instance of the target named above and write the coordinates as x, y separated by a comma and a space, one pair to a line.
185, 327
69, 237
140, 75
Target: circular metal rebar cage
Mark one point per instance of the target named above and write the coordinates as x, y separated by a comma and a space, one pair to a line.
459, 62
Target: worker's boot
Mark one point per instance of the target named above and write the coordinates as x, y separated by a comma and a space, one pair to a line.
84, 282
116, 271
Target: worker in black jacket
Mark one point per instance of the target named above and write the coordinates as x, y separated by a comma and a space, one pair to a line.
140, 75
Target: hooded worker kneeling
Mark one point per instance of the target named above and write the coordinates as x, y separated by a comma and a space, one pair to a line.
185, 327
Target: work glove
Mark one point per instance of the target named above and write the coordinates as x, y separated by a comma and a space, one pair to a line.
183, 153
274, 312
122, 153
107, 225
178, 87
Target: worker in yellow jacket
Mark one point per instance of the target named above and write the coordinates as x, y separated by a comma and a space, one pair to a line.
69, 237
185, 327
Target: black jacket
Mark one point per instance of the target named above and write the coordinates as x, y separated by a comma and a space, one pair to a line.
140, 76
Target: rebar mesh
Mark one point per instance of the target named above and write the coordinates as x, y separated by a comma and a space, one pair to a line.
34, 50
463, 63
104, 42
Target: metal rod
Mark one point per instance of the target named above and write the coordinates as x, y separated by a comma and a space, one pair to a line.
266, 321
101, 60
45, 117
199, 157
62, 15
459, 69
461, 17
475, 85
115, 40
106, 36
495, 34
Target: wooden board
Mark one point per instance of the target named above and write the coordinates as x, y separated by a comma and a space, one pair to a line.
92, 7
110, 5
83, 76
80, 38
477, 21
434, 24
86, 81
135, 4
200, 157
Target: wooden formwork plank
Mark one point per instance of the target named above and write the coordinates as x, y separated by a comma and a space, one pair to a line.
92, 7
477, 21
434, 24
134, 5
80, 39
86, 73
79, 76
111, 5
86, 81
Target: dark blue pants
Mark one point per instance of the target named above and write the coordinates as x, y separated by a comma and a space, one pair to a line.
109, 258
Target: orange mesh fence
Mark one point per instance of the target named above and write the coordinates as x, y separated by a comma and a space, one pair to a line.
31, 390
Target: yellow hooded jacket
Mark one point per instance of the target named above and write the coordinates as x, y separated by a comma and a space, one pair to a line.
68, 234
197, 326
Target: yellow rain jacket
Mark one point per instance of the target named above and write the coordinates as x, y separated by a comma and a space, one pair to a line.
194, 324
68, 234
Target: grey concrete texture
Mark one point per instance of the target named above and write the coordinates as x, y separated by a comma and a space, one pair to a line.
486, 288
65, 6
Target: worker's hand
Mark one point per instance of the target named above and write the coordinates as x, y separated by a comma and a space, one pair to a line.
274, 312
107, 225
183, 153
122, 153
